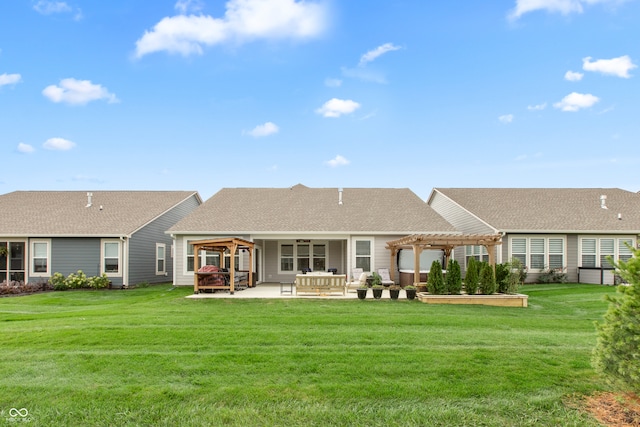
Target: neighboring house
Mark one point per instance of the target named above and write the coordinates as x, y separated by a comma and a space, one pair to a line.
573, 229
119, 233
301, 227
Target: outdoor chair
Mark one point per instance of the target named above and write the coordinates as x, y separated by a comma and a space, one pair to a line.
386, 279
358, 277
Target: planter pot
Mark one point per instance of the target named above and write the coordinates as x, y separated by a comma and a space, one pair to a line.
394, 293
377, 293
411, 293
362, 293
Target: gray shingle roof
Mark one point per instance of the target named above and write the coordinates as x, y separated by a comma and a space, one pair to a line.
304, 209
64, 213
550, 209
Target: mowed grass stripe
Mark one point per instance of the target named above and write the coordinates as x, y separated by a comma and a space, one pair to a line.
150, 357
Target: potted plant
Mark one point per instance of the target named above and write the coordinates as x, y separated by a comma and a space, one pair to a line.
394, 291
411, 291
376, 285
362, 291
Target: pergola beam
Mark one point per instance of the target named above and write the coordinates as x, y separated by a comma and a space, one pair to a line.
444, 242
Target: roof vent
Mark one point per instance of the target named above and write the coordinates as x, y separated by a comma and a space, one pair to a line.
619, 216
340, 196
89, 195
603, 202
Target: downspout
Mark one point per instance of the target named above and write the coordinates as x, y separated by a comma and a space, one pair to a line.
125, 262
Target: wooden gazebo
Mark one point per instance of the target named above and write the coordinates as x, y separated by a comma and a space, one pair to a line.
444, 242
223, 245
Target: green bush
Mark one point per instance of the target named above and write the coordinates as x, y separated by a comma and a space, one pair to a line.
471, 277
453, 280
552, 275
59, 282
487, 280
435, 282
617, 351
502, 277
98, 282
515, 277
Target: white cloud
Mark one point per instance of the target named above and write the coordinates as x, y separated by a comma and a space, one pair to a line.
619, 67
25, 148
188, 6
576, 101
507, 118
364, 74
266, 129
9, 79
338, 161
243, 20
538, 107
332, 82
573, 76
564, 7
336, 107
58, 144
78, 92
48, 7
375, 53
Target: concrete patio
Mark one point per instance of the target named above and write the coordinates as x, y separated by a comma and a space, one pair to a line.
277, 290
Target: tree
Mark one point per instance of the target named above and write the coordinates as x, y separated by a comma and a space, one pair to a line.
453, 280
487, 280
471, 278
435, 282
617, 351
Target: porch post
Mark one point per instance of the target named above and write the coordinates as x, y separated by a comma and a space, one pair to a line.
417, 250
196, 267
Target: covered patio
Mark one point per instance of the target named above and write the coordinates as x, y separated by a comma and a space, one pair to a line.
444, 242
224, 280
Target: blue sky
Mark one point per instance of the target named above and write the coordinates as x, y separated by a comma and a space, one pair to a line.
204, 94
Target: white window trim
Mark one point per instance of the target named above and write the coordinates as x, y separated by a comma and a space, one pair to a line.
372, 256
120, 263
616, 246
32, 272
164, 259
295, 253
546, 238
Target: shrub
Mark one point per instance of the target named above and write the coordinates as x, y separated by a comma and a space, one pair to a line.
78, 280
617, 351
453, 279
502, 277
487, 280
471, 278
552, 275
98, 282
435, 282
515, 277
59, 282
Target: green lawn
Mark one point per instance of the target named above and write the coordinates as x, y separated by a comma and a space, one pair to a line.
151, 357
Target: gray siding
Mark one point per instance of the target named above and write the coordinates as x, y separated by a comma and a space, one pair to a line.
68, 255
460, 218
142, 245
572, 258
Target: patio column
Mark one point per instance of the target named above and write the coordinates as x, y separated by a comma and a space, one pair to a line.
417, 250
196, 267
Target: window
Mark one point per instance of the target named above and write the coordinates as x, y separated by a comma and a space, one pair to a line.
294, 257
40, 258
363, 254
594, 251
286, 257
12, 264
111, 258
478, 252
539, 252
161, 251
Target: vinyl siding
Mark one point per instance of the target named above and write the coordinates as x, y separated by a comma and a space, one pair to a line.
142, 245
68, 255
461, 219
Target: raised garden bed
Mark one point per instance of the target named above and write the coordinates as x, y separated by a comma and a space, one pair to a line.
500, 300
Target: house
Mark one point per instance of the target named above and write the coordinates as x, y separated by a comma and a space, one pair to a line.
300, 228
119, 233
572, 229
